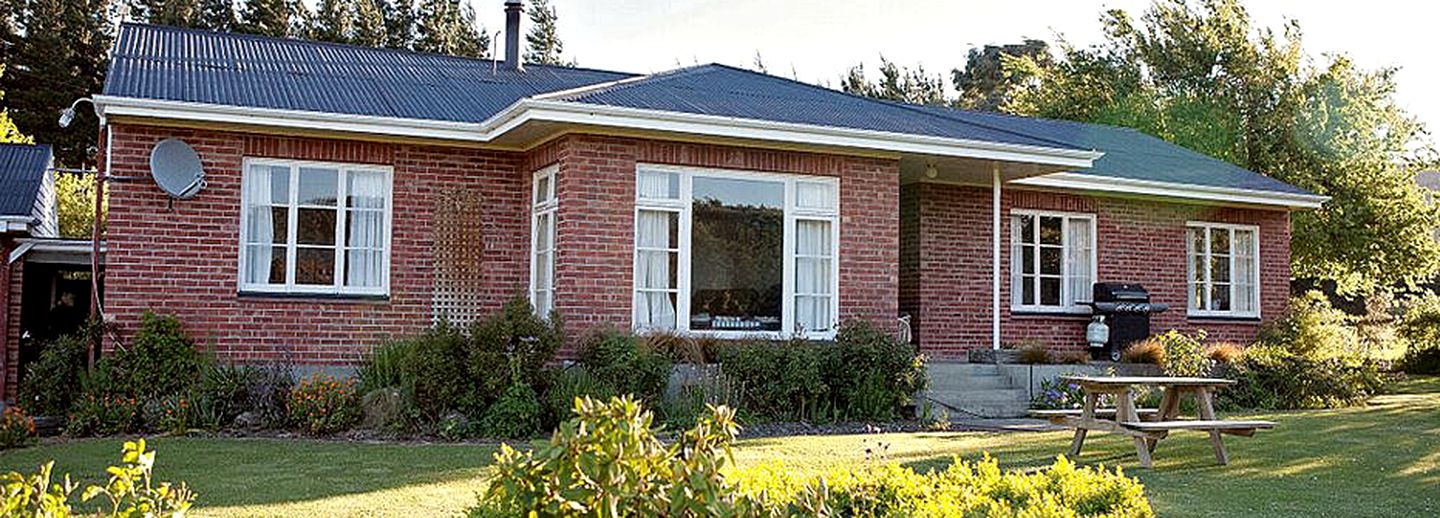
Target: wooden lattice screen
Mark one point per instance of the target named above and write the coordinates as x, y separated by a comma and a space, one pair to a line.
459, 257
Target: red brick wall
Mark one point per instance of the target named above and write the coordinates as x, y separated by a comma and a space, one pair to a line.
10, 298
1138, 241
182, 259
596, 190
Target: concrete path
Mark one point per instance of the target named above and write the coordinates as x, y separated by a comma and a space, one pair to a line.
1018, 424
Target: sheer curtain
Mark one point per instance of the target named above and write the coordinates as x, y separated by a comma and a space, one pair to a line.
655, 306
366, 229
1245, 282
1079, 259
259, 231
812, 275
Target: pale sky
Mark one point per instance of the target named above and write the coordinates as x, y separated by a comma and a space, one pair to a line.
820, 39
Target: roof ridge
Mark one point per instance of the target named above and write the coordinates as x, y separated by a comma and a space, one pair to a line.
299, 41
624, 83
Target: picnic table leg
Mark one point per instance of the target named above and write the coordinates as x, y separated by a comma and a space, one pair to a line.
1088, 413
1169, 406
1206, 402
1125, 411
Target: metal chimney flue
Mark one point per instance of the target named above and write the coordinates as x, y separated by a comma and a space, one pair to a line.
513, 8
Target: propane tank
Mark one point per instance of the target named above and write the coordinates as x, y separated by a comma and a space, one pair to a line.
1097, 333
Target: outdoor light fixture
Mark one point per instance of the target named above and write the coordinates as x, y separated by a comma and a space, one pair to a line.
68, 115
930, 171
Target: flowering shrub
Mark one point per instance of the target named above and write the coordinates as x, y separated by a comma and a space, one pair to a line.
323, 404
130, 491
175, 415
16, 428
1184, 354
1057, 394
104, 415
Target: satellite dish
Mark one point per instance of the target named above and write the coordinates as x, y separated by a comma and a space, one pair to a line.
176, 168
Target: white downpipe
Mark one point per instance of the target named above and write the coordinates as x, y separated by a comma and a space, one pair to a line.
995, 258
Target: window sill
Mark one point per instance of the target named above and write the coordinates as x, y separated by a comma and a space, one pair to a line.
1255, 319
1080, 313
316, 297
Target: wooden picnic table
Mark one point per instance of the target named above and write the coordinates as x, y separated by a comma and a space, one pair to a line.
1148, 426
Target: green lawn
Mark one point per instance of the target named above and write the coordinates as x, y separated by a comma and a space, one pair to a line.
1381, 460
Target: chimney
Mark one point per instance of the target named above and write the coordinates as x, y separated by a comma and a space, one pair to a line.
513, 8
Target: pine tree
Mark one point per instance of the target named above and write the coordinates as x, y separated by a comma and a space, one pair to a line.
178, 13
218, 15
542, 43
447, 27
60, 56
334, 21
399, 24
368, 23
267, 17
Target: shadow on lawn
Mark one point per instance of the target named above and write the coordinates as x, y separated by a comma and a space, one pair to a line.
231, 472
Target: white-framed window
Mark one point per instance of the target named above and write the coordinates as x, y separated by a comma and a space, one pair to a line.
1223, 268
315, 227
736, 253
542, 241
1052, 260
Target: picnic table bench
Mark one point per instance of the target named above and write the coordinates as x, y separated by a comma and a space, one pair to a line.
1148, 425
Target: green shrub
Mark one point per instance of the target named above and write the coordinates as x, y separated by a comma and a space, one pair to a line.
515, 340
567, 384
696, 393
1184, 355
624, 362
160, 360
1270, 377
223, 394
963, 489
173, 414
16, 428
1420, 327
1314, 329
437, 365
268, 393
869, 374
608, 461
385, 366
516, 415
49, 385
104, 415
131, 493
323, 404
28, 496
777, 380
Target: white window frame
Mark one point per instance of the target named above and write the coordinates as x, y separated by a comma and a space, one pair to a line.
1210, 228
793, 213
1016, 295
338, 287
547, 206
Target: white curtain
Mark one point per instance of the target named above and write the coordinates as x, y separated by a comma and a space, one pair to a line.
366, 229
544, 265
814, 195
813, 267
656, 308
1244, 274
259, 231
1079, 261
657, 185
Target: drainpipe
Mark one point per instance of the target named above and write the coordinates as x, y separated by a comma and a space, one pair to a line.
995, 258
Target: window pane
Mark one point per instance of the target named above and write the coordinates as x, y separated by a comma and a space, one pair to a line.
315, 266
315, 227
658, 229
365, 229
279, 185
364, 268
1079, 260
812, 314
1027, 259
1049, 291
1027, 290
658, 270
1219, 241
543, 269
1050, 230
1197, 295
543, 233
317, 186
1220, 297
655, 310
279, 226
1050, 261
1027, 229
264, 264
812, 275
542, 303
542, 188
1219, 269
812, 237
814, 195
658, 185
736, 254
366, 189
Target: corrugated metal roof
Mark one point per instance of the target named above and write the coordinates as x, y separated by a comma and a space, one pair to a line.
1131, 154
22, 171
168, 63
732, 92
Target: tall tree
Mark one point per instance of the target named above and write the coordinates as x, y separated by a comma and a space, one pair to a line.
59, 57
399, 24
217, 15
984, 83
448, 27
1197, 73
179, 13
896, 83
268, 17
334, 21
542, 43
368, 23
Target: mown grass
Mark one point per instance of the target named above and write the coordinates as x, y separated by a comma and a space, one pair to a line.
1379, 460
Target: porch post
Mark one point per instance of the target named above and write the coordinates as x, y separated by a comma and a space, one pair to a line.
995, 257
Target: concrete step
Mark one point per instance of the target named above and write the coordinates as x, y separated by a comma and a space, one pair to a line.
958, 384
993, 395
1001, 402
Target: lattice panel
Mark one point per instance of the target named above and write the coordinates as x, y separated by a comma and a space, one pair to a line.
459, 257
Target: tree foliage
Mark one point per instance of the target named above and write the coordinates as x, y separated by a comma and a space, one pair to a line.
985, 83
55, 52
896, 83
1197, 73
542, 43
448, 27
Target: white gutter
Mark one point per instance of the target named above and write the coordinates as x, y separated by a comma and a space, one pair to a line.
1085, 182
542, 110
995, 259
16, 223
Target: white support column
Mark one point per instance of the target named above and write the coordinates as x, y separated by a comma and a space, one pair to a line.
995, 258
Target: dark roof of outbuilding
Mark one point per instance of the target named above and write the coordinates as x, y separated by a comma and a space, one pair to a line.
1131, 154
22, 171
174, 64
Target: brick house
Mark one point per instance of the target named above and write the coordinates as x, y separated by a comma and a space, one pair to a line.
356, 193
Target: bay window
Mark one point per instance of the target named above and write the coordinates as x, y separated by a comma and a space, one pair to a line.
728, 252
1223, 269
1052, 260
314, 228
542, 241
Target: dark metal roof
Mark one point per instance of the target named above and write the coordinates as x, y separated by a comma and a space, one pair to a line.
168, 63
1131, 154
732, 92
22, 171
